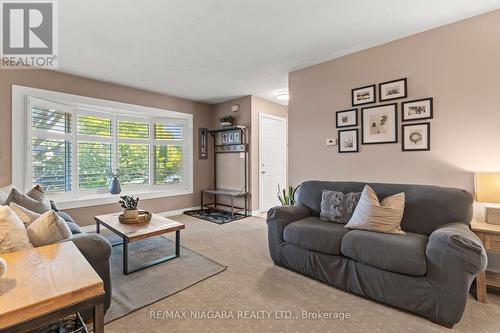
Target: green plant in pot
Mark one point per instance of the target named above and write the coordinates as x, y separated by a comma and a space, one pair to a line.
287, 195
129, 204
227, 120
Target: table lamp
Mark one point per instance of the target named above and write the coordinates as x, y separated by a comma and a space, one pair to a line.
487, 187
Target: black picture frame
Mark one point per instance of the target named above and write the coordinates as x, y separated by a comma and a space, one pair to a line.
431, 109
403, 139
345, 111
380, 95
340, 142
374, 88
363, 110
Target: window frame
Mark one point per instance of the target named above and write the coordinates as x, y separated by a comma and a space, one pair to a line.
23, 98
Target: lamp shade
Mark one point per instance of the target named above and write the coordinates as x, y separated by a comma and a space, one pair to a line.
488, 187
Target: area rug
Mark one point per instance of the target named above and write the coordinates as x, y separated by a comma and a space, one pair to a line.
215, 216
136, 290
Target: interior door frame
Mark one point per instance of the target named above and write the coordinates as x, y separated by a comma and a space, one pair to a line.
285, 121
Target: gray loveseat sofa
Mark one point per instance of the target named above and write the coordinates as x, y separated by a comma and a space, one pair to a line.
428, 271
95, 248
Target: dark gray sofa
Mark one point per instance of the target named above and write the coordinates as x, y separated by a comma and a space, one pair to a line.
96, 249
428, 271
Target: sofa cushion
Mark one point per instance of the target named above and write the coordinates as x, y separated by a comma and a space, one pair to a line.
49, 228
396, 253
337, 206
34, 200
313, 234
13, 235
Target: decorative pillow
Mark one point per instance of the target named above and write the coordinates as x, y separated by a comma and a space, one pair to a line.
4, 194
385, 216
13, 236
26, 215
337, 206
34, 200
49, 228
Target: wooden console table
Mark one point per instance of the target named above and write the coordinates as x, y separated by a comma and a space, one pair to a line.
45, 284
490, 236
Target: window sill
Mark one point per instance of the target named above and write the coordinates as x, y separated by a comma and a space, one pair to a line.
107, 198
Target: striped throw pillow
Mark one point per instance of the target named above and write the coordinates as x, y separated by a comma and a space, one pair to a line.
371, 214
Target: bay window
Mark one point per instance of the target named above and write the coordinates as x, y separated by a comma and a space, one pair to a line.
73, 149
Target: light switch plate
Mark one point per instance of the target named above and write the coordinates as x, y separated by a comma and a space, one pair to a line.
331, 141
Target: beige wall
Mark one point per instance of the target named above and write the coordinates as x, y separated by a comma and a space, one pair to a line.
230, 168
458, 65
50, 80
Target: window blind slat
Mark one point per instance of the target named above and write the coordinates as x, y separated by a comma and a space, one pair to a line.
90, 125
169, 161
169, 131
133, 130
51, 164
94, 164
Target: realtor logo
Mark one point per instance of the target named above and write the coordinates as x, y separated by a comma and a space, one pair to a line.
29, 33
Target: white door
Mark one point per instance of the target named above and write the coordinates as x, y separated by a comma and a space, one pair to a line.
272, 159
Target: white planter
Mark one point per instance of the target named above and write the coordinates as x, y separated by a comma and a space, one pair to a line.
225, 124
131, 213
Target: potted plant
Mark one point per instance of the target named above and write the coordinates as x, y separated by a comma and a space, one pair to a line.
227, 120
129, 203
287, 196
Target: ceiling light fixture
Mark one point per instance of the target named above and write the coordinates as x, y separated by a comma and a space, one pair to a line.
283, 96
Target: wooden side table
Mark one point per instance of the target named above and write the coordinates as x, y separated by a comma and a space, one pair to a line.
490, 236
48, 283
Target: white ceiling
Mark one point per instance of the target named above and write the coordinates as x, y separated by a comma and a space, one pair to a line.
216, 50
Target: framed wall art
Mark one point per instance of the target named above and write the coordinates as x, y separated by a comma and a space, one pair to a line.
346, 118
416, 137
364, 95
392, 90
348, 141
417, 109
379, 124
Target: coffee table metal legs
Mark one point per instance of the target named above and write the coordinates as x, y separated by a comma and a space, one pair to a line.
126, 270
125, 243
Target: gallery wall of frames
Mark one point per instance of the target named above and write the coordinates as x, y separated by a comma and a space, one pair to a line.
379, 121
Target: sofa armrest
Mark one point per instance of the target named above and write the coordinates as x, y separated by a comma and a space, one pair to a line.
97, 250
455, 255
457, 240
277, 219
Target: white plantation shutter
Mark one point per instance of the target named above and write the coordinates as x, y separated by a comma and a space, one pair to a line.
50, 152
73, 151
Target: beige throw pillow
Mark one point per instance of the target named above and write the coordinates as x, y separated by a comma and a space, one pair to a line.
13, 236
385, 216
26, 215
49, 228
4, 194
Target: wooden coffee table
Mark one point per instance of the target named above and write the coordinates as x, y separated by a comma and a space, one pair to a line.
134, 232
48, 283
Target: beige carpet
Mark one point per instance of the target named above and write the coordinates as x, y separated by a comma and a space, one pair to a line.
252, 282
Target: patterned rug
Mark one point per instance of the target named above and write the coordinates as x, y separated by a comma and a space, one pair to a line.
215, 216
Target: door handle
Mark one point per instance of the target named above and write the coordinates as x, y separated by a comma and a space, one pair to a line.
263, 172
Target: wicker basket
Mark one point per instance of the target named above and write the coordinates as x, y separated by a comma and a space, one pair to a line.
70, 324
144, 217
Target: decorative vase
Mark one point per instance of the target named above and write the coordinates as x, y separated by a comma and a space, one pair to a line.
131, 213
114, 186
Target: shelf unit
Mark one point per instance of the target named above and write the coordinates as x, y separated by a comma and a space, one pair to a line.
228, 148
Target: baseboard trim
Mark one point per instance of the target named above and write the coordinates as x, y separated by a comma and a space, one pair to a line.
91, 228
